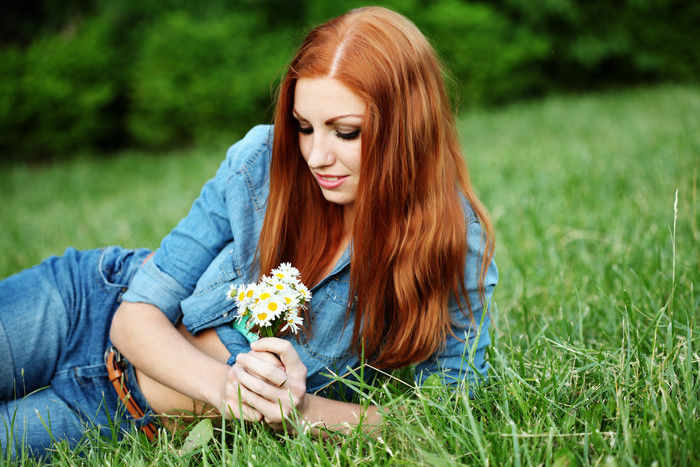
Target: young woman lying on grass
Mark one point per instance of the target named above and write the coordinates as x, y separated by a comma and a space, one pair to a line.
360, 185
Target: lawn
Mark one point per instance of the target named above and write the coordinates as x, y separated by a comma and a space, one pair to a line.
596, 349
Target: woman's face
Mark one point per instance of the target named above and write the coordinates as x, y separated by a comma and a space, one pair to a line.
330, 117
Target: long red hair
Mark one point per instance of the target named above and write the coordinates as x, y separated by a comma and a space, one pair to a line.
409, 239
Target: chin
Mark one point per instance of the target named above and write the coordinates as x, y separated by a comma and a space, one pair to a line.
340, 202
335, 198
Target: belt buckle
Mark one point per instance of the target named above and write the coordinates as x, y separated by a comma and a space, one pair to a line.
118, 359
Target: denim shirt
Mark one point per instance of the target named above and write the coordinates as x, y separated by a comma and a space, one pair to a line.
214, 246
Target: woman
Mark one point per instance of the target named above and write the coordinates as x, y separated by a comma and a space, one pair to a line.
360, 185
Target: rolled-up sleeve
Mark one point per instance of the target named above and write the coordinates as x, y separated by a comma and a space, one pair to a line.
151, 285
462, 358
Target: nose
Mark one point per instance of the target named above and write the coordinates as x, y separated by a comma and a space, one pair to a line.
320, 151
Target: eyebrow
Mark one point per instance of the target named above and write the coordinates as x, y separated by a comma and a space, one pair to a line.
330, 121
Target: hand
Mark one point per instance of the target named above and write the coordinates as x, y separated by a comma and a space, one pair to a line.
271, 389
233, 405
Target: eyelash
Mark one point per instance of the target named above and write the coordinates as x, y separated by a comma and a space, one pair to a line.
346, 136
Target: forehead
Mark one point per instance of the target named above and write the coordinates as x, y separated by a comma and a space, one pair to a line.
325, 98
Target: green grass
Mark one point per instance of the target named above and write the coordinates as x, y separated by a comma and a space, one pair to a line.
595, 358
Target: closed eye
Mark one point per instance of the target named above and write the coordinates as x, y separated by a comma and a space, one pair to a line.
348, 136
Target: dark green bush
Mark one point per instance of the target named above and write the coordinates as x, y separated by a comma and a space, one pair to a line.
196, 79
11, 69
598, 44
57, 94
492, 59
105, 74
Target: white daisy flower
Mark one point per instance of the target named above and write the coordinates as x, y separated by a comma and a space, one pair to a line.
231, 293
261, 315
306, 293
265, 280
264, 292
244, 294
292, 321
286, 272
274, 306
244, 298
280, 285
291, 298
274, 301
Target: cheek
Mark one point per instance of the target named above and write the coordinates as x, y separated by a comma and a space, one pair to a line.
304, 147
355, 158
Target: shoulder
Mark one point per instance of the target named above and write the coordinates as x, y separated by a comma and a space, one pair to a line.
254, 149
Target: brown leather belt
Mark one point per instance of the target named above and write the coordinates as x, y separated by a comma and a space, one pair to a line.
115, 362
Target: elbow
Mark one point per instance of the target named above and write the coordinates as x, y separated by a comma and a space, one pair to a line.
118, 327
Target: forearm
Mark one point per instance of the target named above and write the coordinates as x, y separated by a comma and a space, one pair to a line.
325, 416
153, 345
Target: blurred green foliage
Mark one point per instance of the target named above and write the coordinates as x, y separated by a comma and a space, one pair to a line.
492, 59
207, 76
58, 92
98, 75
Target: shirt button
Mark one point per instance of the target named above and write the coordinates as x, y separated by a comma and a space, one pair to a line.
225, 314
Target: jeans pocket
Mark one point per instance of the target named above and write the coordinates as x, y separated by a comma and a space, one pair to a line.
118, 265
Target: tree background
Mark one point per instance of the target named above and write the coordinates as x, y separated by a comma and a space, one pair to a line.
98, 76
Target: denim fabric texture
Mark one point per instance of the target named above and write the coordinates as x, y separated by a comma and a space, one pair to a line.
54, 330
214, 246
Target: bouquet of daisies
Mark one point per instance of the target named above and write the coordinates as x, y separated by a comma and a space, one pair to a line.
272, 306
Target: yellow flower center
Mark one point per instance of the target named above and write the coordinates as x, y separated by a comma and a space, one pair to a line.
241, 296
289, 300
250, 293
264, 296
272, 306
262, 316
279, 287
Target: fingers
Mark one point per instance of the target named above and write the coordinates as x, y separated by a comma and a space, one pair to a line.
262, 387
268, 357
272, 402
233, 405
260, 364
242, 411
289, 357
274, 387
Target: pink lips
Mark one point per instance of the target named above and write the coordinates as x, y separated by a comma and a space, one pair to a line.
330, 182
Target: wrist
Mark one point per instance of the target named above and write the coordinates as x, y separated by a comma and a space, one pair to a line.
304, 408
216, 387
306, 420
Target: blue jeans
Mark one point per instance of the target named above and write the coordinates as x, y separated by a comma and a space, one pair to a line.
54, 330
